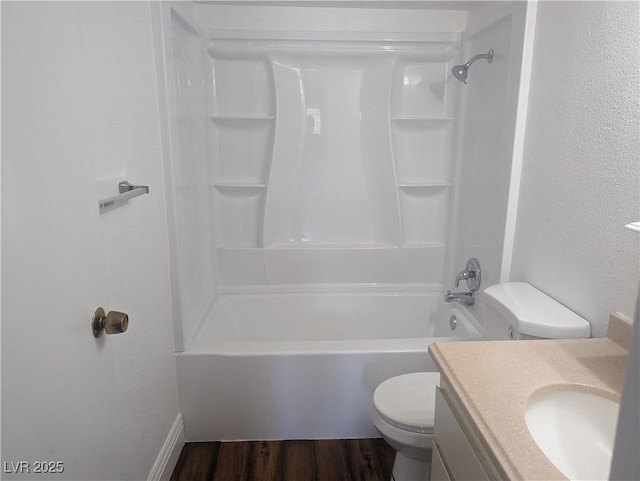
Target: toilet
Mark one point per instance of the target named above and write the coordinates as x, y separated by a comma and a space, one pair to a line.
403, 406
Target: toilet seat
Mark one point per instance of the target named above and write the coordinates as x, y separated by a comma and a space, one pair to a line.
408, 401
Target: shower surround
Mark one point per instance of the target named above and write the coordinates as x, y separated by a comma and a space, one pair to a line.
314, 187
330, 160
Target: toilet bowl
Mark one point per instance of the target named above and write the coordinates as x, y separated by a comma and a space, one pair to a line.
402, 412
403, 406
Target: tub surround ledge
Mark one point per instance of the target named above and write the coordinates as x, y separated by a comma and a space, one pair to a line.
493, 381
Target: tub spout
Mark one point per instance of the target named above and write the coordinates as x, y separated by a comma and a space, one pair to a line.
463, 297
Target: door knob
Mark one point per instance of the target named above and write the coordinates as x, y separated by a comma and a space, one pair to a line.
113, 323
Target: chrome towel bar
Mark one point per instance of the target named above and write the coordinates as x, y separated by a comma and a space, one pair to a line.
127, 191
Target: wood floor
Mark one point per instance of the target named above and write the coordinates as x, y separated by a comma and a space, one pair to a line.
312, 460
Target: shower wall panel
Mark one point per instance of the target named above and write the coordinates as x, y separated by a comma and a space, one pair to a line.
188, 173
330, 177
330, 159
486, 113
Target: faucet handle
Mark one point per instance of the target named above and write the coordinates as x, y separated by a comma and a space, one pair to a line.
462, 276
471, 274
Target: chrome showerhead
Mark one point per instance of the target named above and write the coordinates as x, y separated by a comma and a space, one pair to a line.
461, 71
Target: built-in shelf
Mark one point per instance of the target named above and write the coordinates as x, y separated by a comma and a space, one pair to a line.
238, 118
240, 246
423, 185
423, 245
238, 185
420, 118
324, 245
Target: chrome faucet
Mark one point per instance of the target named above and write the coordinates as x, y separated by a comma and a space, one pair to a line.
462, 276
463, 297
472, 276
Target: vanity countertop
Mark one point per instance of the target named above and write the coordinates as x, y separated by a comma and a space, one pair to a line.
493, 381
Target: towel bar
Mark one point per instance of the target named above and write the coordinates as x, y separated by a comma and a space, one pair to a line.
127, 191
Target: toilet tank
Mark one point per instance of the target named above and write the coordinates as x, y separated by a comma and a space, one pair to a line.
517, 310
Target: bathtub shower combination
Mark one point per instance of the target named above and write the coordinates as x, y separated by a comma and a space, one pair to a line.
314, 182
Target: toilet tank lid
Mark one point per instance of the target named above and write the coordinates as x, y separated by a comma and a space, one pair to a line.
536, 313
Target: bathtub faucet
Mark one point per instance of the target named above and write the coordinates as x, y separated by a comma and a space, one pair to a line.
464, 297
471, 274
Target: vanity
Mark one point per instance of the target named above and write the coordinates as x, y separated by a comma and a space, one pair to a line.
454, 440
488, 388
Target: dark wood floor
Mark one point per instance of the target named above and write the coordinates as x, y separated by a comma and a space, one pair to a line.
312, 460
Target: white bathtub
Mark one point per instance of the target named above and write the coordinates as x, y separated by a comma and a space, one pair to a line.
303, 366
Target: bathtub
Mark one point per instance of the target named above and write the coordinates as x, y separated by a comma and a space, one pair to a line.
305, 365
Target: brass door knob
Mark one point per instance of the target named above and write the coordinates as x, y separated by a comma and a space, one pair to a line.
113, 323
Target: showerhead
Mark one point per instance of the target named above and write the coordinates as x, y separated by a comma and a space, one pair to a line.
461, 71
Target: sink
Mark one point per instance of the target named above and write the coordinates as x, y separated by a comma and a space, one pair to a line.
575, 430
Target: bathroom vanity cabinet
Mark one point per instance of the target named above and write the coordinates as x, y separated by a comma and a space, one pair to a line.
457, 452
485, 388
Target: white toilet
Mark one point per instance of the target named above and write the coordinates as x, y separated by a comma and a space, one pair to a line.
403, 406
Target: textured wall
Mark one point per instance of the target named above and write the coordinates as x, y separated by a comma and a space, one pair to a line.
581, 177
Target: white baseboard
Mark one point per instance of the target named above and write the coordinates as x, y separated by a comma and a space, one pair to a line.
169, 453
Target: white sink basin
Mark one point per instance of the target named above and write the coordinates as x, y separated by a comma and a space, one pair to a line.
575, 430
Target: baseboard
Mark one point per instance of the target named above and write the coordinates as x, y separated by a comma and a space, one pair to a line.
170, 452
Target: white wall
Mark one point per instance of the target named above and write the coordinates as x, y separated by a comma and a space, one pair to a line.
79, 103
581, 170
